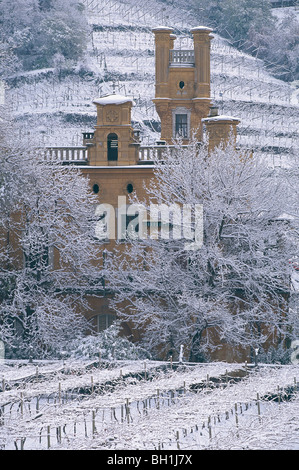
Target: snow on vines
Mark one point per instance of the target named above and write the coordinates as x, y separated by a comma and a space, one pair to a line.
147, 405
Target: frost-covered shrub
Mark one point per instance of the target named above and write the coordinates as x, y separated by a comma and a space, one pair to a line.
275, 355
109, 345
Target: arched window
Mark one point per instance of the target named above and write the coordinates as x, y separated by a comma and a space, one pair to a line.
112, 145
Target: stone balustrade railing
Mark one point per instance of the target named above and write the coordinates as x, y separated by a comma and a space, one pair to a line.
156, 152
67, 154
78, 155
150, 153
178, 57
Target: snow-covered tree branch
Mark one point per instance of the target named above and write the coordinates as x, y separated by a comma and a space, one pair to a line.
48, 256
235, 288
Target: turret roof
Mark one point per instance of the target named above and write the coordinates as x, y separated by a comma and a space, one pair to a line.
112, 99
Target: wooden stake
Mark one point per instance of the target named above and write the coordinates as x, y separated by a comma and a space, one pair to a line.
58, 434
236, 414
177, 439
48, 437
210, 428
258, 404
93, 422
278, 393
1, 415
22, 403
127, 410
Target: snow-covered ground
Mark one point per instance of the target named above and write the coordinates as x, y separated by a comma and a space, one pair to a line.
148, 405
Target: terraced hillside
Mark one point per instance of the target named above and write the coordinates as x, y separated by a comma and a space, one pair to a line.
55, 107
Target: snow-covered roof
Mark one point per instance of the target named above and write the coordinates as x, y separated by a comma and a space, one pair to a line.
112, 99
201, 28
221, 118
162, 28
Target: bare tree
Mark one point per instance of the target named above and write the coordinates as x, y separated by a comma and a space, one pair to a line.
234, 289
47, 254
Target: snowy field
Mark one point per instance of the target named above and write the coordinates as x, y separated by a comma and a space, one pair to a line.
147, 405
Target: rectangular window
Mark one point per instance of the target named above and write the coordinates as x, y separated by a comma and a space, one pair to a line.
181, 125
104, 321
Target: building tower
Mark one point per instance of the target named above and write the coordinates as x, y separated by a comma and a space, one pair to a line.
182, 96
220, 128
113, 143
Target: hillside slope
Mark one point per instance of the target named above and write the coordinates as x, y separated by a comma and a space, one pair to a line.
54, 107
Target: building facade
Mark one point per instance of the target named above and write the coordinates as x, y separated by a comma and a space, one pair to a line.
114, 159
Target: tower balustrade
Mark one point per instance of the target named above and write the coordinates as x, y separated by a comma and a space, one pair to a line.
181, 57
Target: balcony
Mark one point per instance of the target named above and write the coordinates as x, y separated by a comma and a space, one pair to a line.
181, 58
148, 154
78, 155
71, 155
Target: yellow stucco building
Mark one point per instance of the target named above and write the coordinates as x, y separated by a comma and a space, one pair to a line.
117, 163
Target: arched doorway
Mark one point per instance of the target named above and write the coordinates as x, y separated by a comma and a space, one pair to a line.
112, 145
